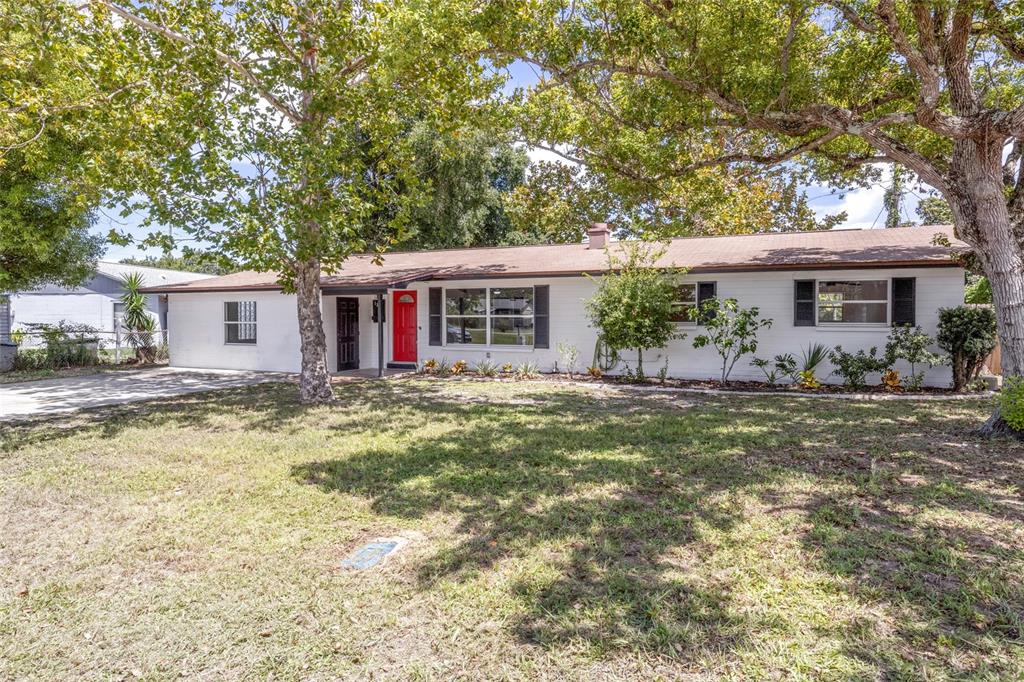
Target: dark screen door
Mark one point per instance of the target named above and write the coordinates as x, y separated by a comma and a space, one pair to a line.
348, 333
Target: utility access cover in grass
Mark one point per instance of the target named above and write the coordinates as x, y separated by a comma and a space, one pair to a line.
371, 554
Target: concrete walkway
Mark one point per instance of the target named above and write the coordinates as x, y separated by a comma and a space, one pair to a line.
54, 396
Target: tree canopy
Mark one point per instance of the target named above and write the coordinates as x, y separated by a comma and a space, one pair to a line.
664, 91
46, 204
469, 173
275, 133
189, 261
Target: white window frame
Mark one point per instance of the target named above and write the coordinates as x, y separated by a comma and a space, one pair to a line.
117, 320
237, 323
487, 317
848, 325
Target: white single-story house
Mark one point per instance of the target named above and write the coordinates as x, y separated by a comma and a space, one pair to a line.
518, 304
95, 302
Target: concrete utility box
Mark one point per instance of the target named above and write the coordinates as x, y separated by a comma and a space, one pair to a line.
7, 353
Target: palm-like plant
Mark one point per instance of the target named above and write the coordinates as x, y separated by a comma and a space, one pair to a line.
139, 325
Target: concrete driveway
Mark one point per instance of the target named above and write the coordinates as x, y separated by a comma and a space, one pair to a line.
54, 396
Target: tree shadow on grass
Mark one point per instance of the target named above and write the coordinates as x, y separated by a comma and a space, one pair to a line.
607, 502
557, 475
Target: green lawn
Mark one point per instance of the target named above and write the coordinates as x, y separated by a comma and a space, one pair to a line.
557, 533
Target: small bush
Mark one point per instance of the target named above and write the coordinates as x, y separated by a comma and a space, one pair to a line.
429, 366
570, 356
30, 359
968, 335
729, 329
459, 367
527, 370
634, 305
891, 380
807, 380
595, 372
1011, 403
782, 366
65, 345
854, 367
911, 344
506, 368
486, 368
811, 359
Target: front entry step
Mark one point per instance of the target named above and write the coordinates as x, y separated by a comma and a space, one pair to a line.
401, 365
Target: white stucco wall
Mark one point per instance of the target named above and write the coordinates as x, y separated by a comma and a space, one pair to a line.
198, 338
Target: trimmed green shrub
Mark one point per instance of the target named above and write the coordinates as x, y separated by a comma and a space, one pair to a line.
1011, 403
968, 335
854, 367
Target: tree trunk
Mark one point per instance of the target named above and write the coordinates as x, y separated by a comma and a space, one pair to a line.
314, 379
984, 221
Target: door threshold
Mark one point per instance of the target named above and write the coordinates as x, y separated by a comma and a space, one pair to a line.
401, 365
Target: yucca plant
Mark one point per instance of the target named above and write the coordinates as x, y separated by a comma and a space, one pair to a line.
813, 356
486, 368
138, 324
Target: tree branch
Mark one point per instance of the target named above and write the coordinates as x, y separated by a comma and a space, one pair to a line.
996, 23
226, 59
902, 154
865, 24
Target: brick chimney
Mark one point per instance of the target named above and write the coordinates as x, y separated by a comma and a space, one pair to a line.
597, 235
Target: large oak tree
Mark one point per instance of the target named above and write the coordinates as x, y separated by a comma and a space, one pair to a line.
662, 89
274, 132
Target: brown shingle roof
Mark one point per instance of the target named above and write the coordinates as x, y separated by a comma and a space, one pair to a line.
899, 247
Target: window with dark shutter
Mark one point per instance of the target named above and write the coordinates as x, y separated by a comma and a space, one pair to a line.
803, 303
541, 316
705, 291
434, 299
904, 301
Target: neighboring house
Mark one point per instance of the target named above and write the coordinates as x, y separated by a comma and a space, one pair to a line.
517, 304
95, 303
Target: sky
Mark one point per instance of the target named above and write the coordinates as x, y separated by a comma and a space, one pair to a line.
863, 206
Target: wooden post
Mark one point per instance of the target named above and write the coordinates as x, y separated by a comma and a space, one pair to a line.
380, 335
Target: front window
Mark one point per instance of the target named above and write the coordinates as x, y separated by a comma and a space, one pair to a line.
240, 322
512, 316
466, 315
686, 301
502, 316
857, 302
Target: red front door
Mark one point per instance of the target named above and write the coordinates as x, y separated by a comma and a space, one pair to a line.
404, 325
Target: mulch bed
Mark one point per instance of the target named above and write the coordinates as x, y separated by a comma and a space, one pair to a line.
702, 384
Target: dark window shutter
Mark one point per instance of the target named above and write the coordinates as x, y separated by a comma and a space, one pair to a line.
803, 303
435, 316
541, 317
904, 301
705, 291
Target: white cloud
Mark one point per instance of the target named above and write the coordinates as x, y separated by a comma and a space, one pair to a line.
864, 206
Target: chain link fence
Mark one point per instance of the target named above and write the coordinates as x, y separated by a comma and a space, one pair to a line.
45, 348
